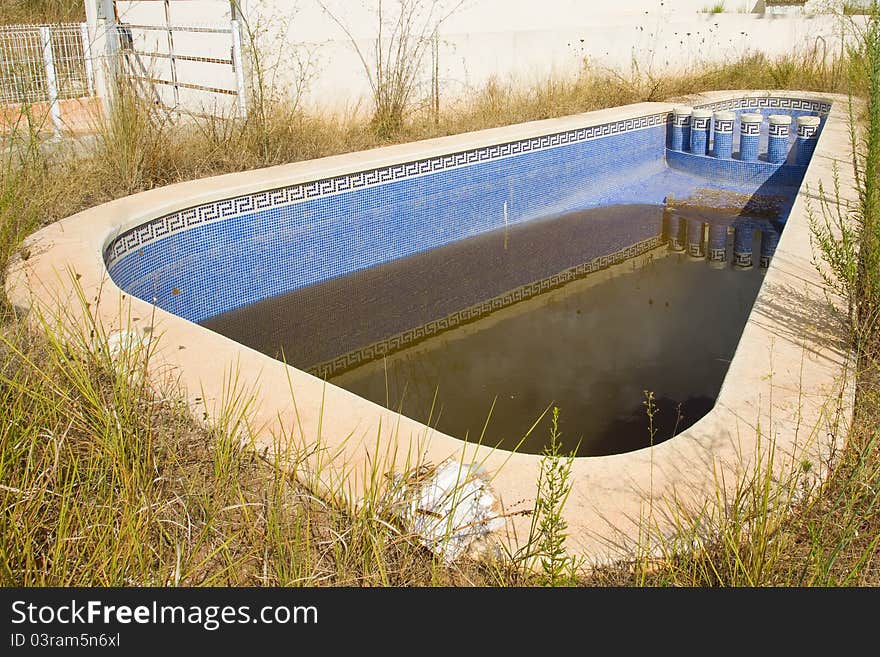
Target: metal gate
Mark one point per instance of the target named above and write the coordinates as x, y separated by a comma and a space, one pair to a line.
185, 55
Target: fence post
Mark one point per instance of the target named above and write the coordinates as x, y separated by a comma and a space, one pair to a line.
51, 81
102, 32
87, 57
239, 69
172, 59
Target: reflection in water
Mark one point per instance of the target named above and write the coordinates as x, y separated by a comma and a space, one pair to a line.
593, 349
320, 322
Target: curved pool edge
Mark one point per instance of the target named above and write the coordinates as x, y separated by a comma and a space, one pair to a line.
787, 365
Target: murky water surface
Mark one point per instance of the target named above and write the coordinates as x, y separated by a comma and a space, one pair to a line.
592, 347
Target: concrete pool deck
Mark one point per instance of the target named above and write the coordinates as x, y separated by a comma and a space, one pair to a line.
790, 382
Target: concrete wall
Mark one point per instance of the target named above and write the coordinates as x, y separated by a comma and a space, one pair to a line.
308, 54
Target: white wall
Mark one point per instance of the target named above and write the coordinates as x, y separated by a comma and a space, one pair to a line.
527, 40
511, 40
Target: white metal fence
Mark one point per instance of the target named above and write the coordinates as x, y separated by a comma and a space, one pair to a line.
44, 63
189, 68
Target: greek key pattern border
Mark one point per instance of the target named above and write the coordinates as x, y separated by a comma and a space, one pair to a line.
798, 104
807, 131
779, 130
156, 229
409, 337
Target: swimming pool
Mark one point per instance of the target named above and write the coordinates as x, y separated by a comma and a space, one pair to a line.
160, 262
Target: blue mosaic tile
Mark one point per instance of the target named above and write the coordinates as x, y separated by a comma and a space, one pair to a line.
223, 264
700, 135
764, 106
209, 259
736, 173
749, 139
681, 132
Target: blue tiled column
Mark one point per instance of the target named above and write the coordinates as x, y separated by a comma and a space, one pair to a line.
700, 120
807, 134
780, 126
769, 240
717, 245
695, 238
673, 231
742, 245
723, 130
681, 128
749, 134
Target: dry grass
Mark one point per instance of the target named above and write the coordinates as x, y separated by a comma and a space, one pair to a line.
138, 150
108, 482
16, 12
769, 536
500, 104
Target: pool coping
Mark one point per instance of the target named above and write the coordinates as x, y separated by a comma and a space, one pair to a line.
790, 376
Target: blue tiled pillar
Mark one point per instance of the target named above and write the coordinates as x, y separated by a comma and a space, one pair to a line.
681, 128
673, 231
777, 149
717, 245
749, 134
723, 130
695, 238
742, 245
700, 120
769, 240
807, 134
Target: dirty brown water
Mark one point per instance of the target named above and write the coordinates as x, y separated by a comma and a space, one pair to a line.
659, 322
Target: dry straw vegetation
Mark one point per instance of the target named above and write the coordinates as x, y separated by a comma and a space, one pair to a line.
41, 11
107, 479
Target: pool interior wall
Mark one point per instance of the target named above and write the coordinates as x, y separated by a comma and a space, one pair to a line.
224, 259
210, 259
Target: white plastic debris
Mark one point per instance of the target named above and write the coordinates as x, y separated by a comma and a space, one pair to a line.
452, 509
119, 341
121, 346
